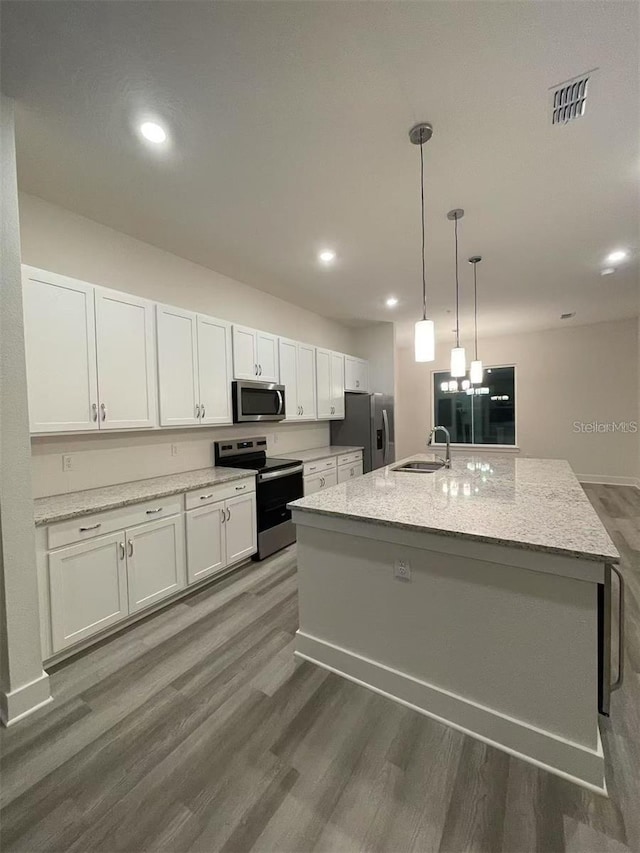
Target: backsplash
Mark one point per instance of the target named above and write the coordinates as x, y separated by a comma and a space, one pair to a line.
107, 459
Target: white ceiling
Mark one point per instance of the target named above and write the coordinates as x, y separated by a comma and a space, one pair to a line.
289, 127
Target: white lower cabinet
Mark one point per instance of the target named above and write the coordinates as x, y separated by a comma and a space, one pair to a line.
315, 482
240, 527
155, 561
349, 472
87, 588
206, 552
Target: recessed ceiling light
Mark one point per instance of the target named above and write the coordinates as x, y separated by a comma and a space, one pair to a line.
153, 132
327, 255
391, 301
615, 257
607, 271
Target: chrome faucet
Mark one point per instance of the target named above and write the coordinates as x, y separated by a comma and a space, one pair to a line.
447, 458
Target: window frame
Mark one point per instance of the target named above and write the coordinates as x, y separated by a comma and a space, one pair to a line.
498, 448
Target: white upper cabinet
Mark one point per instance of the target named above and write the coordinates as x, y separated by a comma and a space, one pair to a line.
297, 374
214, 370
194, 368
126, 366
60, 341
330, 384
255, 355
90, 356
177, 366
356, 373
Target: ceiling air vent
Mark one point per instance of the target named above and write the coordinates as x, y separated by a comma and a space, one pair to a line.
569, 99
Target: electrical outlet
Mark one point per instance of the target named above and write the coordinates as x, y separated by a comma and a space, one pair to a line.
402, 570
67, 463
174, 449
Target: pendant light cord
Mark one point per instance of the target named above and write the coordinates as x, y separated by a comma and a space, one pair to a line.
475, 305
457, 288
424, 280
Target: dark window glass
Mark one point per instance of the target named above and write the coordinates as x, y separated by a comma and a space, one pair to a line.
259, 401
482, 414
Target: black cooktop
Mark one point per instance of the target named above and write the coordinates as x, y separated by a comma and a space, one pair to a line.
260, 464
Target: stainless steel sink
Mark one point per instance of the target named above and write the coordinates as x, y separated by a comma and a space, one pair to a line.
419, 467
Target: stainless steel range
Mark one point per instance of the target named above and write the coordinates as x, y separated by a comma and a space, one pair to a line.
278, 481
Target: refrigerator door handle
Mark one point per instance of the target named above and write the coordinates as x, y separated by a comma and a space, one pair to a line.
385, 425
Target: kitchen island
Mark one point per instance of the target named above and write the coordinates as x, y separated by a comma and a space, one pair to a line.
475, 594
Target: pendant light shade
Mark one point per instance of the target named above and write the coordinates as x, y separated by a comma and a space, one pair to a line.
458, 362
476, 373
458, 355
425, 340
425, 334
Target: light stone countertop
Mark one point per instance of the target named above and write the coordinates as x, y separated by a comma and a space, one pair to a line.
76, 504
321, 452
536, 504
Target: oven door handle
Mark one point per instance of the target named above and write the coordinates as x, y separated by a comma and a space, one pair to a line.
280, 403
276, 475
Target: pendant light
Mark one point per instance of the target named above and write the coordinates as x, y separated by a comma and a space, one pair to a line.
425, 334
458, 357
475, 371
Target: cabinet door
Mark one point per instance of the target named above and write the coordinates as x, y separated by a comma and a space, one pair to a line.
349, 471
306, 359
155, 561
289, 378
60, 342
267, 357
240, 527
177, 366
353, 374
126, 363
206, 550
337, 385
312, 484
245, 359
214, 370
329, 479
323, 383
88, 587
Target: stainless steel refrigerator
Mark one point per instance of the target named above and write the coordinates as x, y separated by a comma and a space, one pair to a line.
368, 422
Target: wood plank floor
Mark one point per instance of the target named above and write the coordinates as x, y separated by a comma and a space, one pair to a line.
195, 730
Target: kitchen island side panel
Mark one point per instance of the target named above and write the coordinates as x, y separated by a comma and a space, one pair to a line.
517, 646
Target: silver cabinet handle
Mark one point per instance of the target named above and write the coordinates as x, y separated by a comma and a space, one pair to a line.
93, 527
302, 410
255, 369
228, 515
154, 511
206, 497
94, 411
103, 410
240, 488
259, 370
131, 547
197, 411
321, 482
122, 551
202, 411
222, 516
618, 682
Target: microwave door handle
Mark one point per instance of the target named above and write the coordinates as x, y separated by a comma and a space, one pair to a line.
280, 403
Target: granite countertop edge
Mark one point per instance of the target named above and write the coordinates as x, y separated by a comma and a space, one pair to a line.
69, 505
458, 534
315, 453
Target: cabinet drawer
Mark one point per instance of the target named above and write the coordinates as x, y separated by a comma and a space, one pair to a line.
349, 458
349, 472
212, 494
99, 523
319, 466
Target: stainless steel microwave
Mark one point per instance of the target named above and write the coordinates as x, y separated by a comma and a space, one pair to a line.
257, 401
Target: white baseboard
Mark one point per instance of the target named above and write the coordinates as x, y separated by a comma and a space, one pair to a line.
24, 700
573, 761
606, 480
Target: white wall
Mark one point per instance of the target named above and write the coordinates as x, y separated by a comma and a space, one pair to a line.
59, 240
581, 373
23, 684
377, 344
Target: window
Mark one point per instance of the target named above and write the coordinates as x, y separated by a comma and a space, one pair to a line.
476, 414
